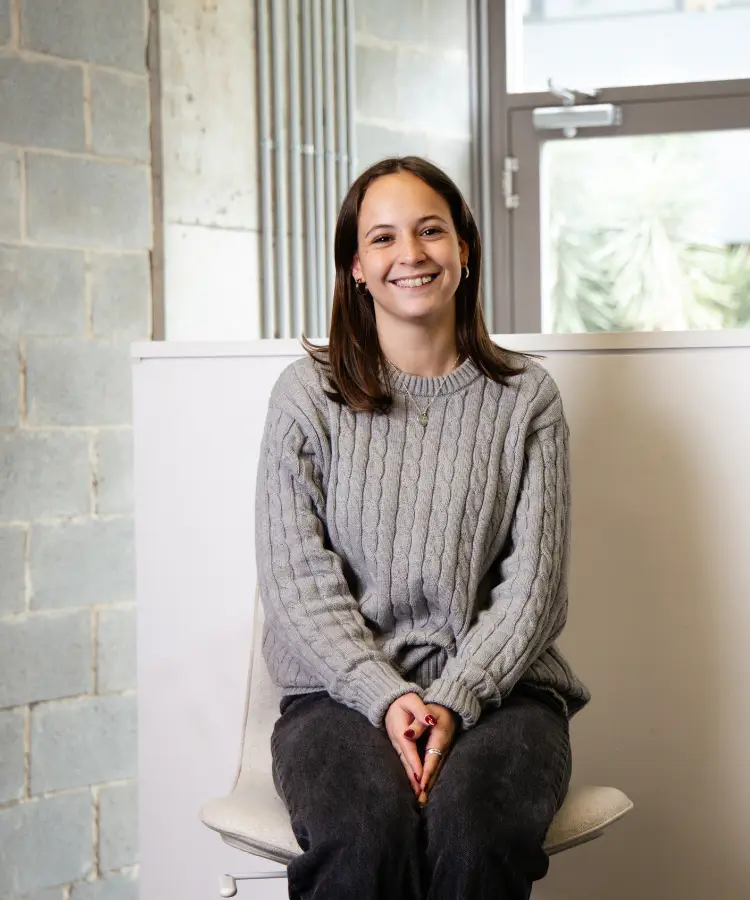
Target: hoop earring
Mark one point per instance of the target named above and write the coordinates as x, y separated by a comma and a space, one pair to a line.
361, 288
466, 271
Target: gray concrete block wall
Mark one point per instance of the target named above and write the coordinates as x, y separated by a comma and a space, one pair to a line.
10, 193
84, 563
40, 104
12, 764
4, 22
65, 756
87, 203
113, 452
115, 649
13, 566
42, 292
9, 386
75, 289
114, 887
72, 381
107, 32
117, 825
119, 115
119, 295
47, 840
45, 657
47, 894
413, 83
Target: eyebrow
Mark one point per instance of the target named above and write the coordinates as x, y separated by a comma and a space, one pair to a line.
419, 222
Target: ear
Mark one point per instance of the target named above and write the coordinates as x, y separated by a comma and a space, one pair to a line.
463, 249
357, 268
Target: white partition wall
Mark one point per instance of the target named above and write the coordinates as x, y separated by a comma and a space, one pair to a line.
659, 624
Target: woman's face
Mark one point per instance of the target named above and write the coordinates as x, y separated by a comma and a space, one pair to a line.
408, 251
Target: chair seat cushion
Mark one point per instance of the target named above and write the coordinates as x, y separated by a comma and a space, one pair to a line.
586, 812
254, 819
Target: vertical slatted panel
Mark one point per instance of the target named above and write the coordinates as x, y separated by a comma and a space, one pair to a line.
306, 106
342, 109
296, 157
351, 148
279, 54
265, 112
320, 192
329, 125
308, 136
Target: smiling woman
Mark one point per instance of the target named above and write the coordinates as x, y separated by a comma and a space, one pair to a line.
412, 531
411, 265
408, 272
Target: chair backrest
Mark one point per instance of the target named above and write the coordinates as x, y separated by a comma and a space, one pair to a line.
261, 705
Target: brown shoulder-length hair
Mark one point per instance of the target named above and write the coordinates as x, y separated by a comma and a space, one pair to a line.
353, 359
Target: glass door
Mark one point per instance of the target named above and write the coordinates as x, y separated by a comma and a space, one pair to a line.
640, 225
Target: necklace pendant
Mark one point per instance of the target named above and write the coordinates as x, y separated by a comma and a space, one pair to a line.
423, 419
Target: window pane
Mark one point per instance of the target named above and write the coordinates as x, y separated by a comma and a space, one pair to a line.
646, 233
609, 43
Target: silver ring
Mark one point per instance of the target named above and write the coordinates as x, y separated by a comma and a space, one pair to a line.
434, 750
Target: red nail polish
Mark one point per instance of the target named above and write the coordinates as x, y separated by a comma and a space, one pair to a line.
409, 734
430, 720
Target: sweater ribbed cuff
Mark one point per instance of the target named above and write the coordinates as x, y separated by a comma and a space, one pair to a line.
453, 695
373, 686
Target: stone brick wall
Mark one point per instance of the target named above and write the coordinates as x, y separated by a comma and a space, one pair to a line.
75, 233
413, 83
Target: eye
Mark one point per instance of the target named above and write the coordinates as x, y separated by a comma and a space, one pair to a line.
381, 238
432, 229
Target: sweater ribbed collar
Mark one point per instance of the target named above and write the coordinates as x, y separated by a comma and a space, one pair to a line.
421, 386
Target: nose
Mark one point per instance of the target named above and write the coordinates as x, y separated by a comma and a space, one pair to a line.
412, 252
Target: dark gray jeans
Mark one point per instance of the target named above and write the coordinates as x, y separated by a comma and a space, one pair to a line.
363, 833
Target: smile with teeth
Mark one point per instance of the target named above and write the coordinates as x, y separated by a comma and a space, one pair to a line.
415, 282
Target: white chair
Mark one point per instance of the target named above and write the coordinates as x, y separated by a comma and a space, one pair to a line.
253, 818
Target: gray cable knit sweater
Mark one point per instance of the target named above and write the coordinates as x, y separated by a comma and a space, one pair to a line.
395, 558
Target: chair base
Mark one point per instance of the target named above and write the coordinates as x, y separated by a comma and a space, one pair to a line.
228, 883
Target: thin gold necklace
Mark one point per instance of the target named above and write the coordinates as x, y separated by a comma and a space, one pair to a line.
422, 413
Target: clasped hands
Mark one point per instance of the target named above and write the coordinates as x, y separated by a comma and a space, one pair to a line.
408, 719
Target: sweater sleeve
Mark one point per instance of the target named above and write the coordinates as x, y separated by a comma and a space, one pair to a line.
528, 607
303, 588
